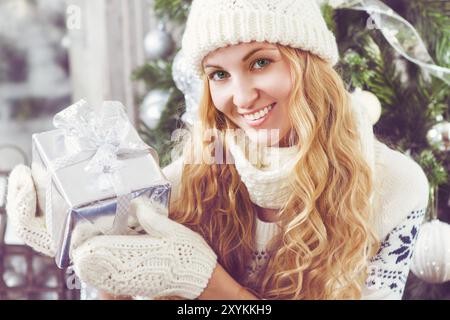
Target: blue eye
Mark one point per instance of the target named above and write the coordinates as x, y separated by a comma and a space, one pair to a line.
261, 63
220, 75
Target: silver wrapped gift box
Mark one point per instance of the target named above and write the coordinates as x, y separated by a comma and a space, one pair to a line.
93, 165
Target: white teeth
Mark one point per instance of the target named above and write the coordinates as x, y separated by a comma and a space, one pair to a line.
259, 114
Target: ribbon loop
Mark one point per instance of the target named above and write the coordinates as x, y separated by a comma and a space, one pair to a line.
400, 34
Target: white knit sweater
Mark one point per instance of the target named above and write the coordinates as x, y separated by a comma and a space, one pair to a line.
400, 202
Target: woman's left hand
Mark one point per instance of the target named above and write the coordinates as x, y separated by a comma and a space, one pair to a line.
170, 260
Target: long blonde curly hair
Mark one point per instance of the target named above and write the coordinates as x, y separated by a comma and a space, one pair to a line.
326, 237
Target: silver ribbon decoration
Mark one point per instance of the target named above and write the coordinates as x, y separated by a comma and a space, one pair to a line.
100, 137
400, 34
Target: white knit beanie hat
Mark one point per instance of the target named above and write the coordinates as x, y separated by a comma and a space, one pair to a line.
213, 24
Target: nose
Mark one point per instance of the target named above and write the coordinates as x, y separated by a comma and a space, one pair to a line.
245, 94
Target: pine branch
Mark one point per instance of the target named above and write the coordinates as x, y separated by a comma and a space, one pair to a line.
433, 167
175, 10
155, 74
328, 14
158, 75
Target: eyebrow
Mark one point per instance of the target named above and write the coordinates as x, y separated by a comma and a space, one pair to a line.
248, 55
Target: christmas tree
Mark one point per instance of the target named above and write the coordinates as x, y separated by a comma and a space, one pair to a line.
415, 110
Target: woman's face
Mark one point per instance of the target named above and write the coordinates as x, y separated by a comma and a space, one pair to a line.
251, 83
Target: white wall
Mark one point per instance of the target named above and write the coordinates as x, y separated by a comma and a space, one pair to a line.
105, 47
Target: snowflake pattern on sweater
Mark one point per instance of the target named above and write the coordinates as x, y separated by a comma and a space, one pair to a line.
388, 269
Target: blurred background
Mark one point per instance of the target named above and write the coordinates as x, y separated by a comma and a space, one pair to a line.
55, 52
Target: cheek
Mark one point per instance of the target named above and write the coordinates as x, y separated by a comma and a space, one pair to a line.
279, 84
220, 100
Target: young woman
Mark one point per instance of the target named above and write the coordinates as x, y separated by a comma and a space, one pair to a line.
325, 212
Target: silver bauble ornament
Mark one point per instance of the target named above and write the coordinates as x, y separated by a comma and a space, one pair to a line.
158, 43
152, 107
431, 260
439, 135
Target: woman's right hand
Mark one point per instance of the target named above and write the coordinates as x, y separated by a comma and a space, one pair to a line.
21, 209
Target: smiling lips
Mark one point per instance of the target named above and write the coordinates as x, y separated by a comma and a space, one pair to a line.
256, 118
259, 114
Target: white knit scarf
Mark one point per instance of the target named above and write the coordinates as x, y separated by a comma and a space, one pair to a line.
266, 174
267, 179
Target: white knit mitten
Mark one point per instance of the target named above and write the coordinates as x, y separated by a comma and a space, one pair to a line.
21, 210
170, 260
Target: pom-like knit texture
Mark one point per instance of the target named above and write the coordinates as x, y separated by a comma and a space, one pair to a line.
145, 265
214, 24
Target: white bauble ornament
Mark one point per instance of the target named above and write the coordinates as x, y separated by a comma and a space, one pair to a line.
431, 260
370, 102
152, 107
188, 83
158, 44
